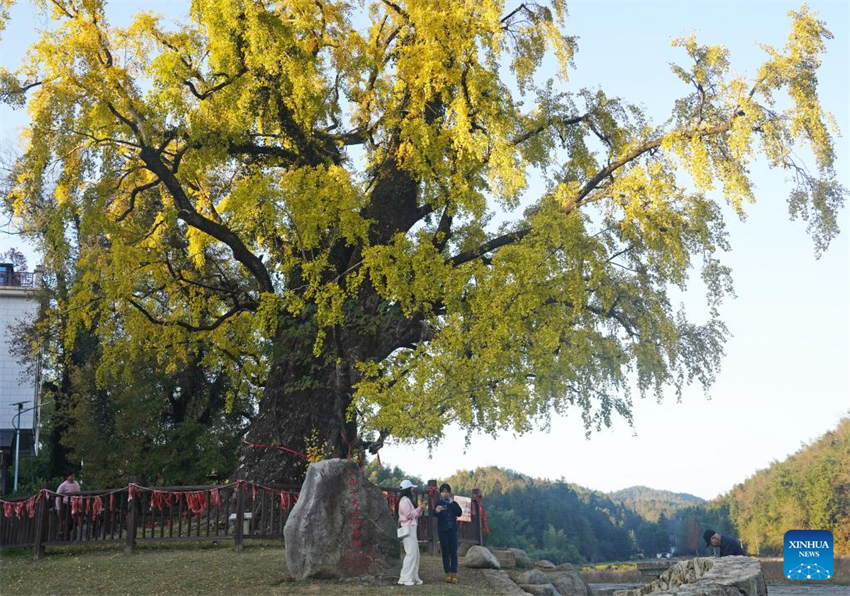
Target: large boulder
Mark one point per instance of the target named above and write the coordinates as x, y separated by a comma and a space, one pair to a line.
479, 557
341, 525
730, 576
505, 558
535, 576
501, 582
463, 548
540, 589
521, 557
568, 581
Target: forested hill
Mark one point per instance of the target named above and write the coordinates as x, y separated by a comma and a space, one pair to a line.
649, 503
810, 489
559, 521
556, 520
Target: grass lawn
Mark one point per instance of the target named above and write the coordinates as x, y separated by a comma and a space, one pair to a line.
177, 569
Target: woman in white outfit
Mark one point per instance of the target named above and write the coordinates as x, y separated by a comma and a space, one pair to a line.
408, 516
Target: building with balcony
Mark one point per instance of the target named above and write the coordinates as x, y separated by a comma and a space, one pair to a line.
19, 389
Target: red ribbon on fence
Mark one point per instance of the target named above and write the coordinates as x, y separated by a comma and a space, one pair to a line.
215, 497
76, 505
32, 502
112, 501
196, 501
281, 447
8, 509
484, 527
392, 502
160, 498
97, 507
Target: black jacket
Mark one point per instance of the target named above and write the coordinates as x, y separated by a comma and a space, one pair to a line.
729, 547
447, 518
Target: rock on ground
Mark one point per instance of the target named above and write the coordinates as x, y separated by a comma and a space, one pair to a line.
502, 584
505, 558
341, 525
479, 557
535, 576
569, 581
540, 589
521, 557
726, 576
544, 564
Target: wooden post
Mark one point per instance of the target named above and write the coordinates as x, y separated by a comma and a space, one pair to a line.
475, 494
42, 522
2, 472
240, 516
432, 521
131, 521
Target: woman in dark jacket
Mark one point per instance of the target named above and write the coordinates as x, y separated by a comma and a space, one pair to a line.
447, 512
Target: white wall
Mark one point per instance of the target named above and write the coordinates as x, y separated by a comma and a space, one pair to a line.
15, 304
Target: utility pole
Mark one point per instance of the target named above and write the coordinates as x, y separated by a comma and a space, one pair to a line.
20, 405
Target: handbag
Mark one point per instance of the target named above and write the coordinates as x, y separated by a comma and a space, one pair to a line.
402, 531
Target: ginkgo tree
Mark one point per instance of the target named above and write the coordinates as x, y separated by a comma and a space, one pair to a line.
307, 188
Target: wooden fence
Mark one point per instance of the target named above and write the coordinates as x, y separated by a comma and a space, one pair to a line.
128, 515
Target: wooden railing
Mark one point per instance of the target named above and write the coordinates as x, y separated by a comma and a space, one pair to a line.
128, 515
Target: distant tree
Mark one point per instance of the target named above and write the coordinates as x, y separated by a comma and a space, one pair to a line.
15, 257
389, 476
690, 542
652, 539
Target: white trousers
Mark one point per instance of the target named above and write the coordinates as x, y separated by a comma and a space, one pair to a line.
410, 567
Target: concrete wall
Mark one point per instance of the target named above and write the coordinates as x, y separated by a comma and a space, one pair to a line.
16, 304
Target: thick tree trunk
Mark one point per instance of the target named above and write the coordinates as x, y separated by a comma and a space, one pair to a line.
307, 395
305, 399
296, 406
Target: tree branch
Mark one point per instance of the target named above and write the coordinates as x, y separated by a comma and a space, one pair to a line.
186, 212
589, 186
504, 240
549, 122
248, 307
204, 95
133, 196
289, 157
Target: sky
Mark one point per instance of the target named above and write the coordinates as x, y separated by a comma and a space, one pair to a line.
785, 379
